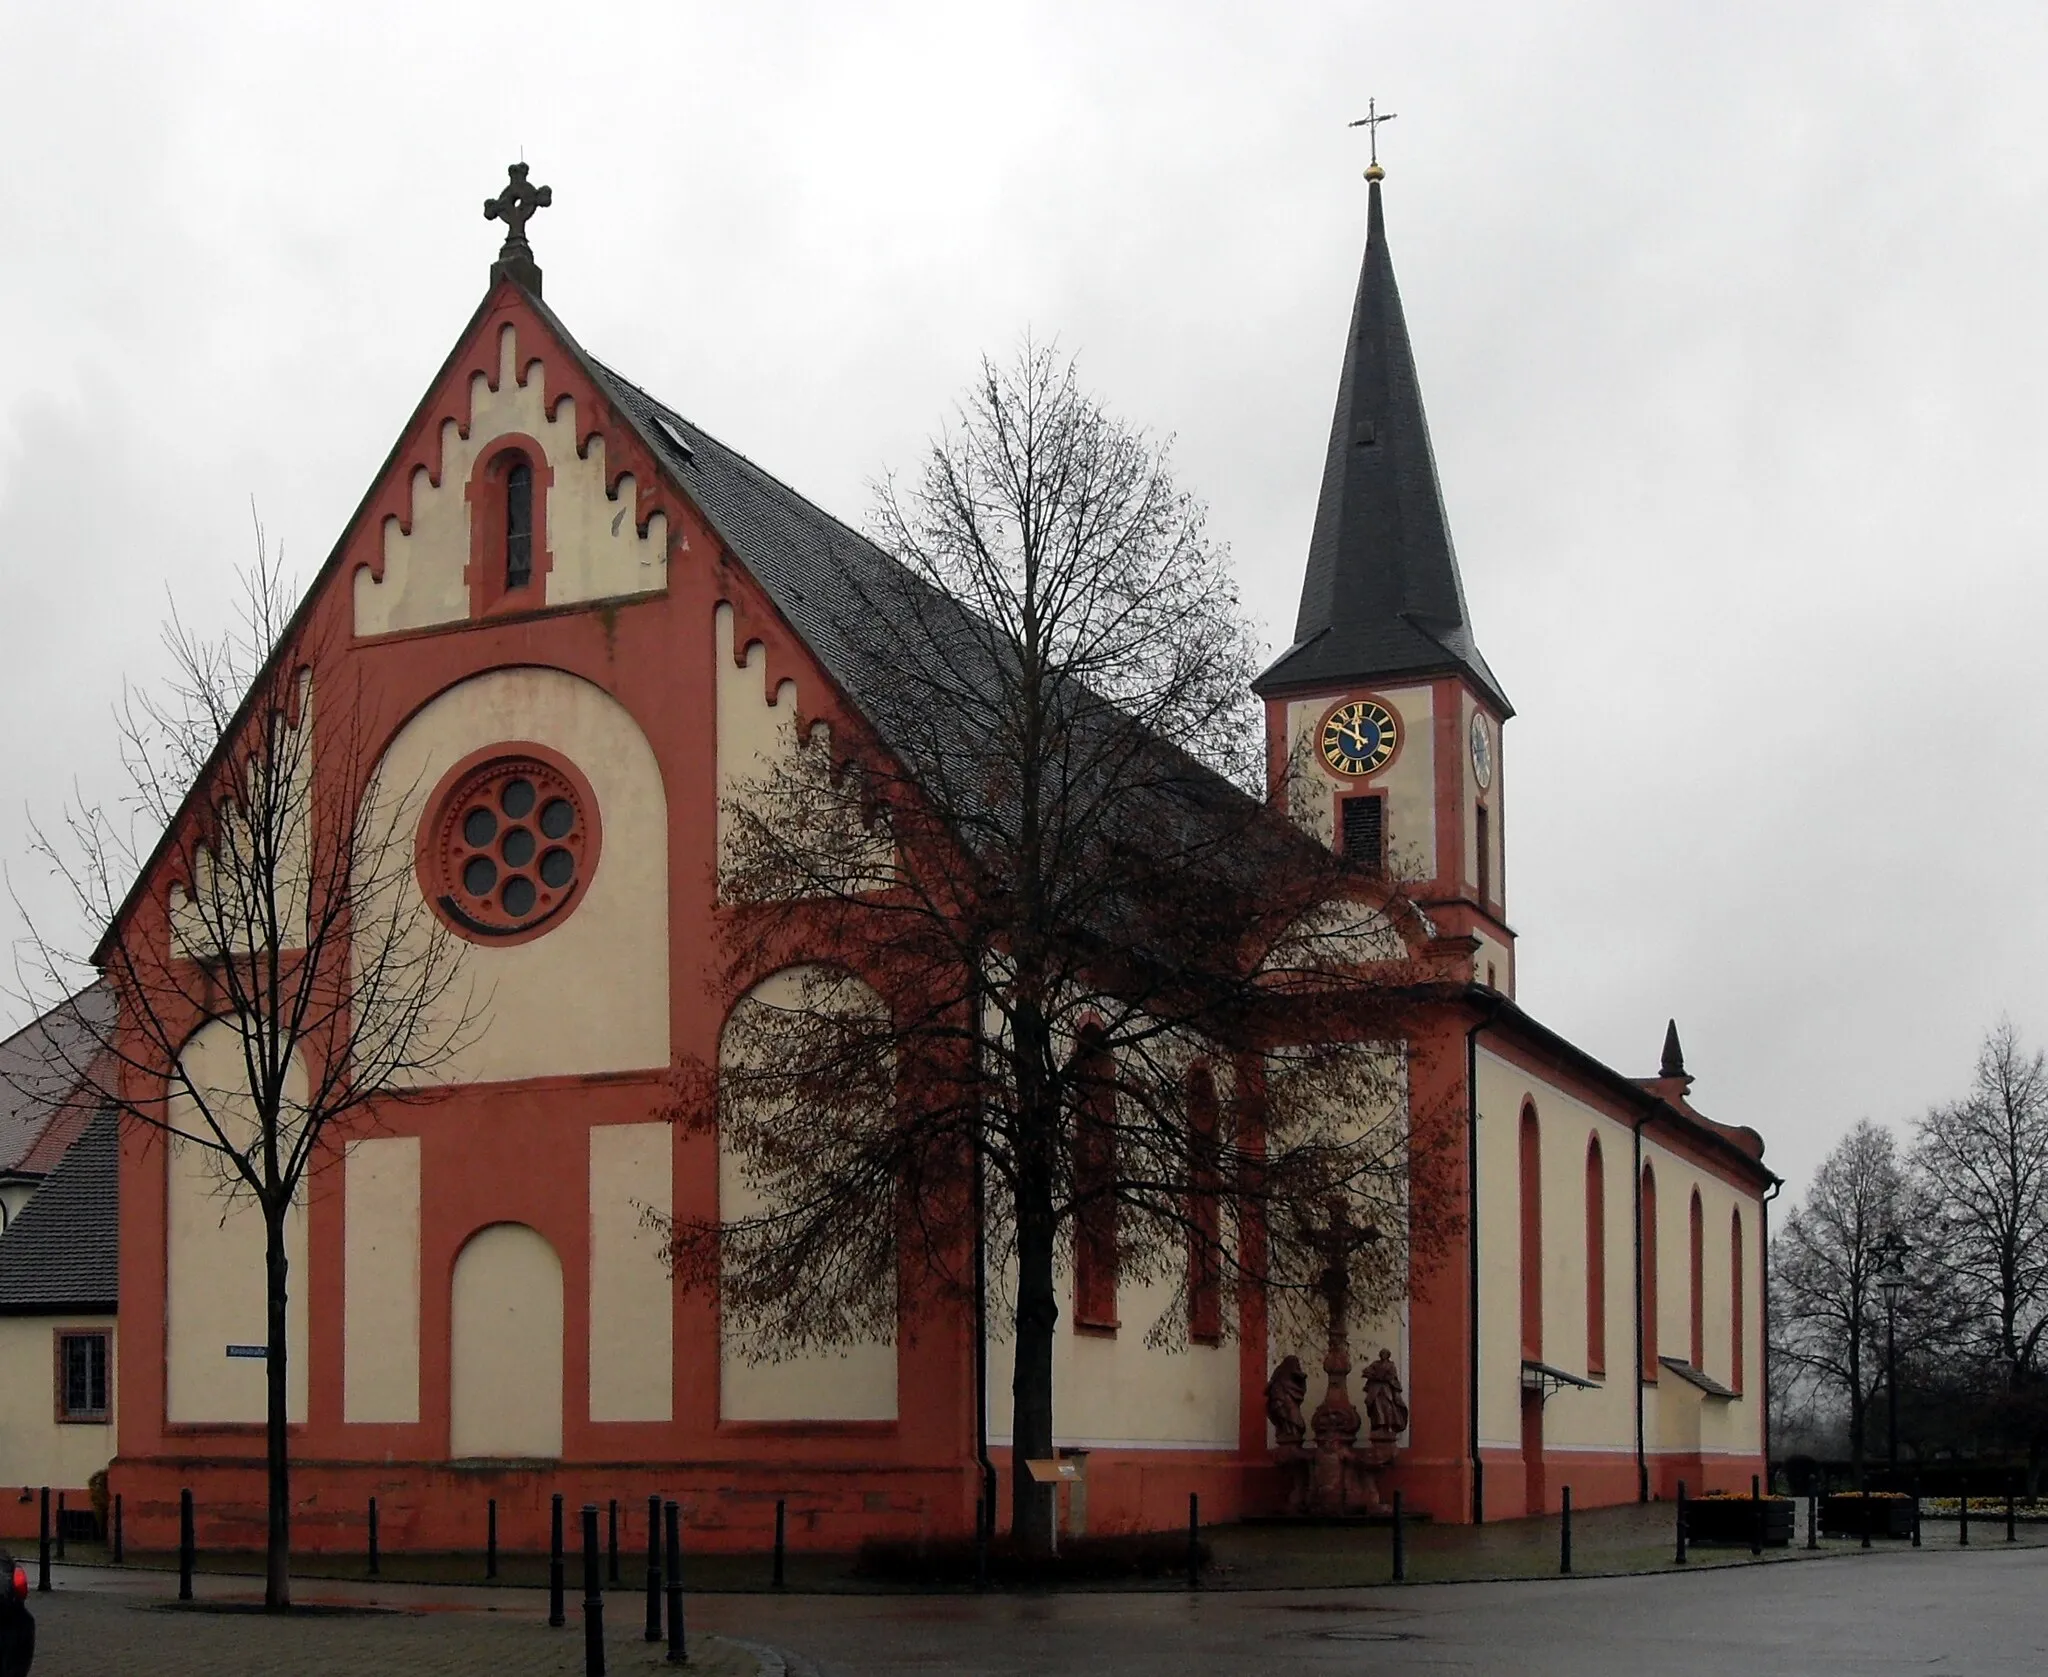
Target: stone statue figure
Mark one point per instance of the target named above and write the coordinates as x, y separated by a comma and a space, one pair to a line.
1285, 1393
1386, 1410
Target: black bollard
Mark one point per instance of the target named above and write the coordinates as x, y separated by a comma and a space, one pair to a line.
2012, 1520
611, 1543
491, 1540
43, 1546
1680, 1557
60, 1525
654, 1569
119, 1547
593, 1598
556, 1617
1812, 1520
1963, 1515
1756, 1496
1400, 1543
1194, 1541
1916, 1510
373, 1537
781, 1514
1564, 1531
185, 1545
678, 1640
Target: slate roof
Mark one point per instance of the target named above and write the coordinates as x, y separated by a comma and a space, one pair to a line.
62, 1253
1381, 596
42, 1067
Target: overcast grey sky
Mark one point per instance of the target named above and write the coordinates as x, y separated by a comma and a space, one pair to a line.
1727, 319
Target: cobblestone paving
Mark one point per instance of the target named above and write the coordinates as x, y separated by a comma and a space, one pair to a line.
84, 1634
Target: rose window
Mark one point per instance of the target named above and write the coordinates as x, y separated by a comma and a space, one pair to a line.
512, 846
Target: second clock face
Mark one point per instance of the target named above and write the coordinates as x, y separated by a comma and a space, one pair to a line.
1359, 737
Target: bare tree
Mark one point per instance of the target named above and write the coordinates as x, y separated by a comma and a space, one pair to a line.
1062, 982
1828, 1318
256, 885
1984, 1160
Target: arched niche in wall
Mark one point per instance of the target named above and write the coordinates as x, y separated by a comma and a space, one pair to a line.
505, 1346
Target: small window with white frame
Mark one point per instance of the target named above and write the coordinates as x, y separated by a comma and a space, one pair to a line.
84, 1377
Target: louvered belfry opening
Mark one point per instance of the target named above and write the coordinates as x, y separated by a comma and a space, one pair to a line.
1365, 831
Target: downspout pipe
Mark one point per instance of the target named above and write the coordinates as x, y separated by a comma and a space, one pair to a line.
1763, 1271
1636, 1188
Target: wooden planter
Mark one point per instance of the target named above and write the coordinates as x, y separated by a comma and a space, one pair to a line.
1719, 1521
1889, 1516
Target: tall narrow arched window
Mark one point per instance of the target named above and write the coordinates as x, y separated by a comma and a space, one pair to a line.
1205, 1220
1532, 1234
518, 525
1095, 1219
1735, 1300
1697, 1241
1596, 1259
1648, 1281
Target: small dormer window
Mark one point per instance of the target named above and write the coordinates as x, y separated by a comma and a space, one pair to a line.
518, 525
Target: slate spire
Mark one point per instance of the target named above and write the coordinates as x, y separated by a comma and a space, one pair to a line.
1674, 1056
1381, 597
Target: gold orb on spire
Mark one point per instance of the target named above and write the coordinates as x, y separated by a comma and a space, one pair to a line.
1374, 172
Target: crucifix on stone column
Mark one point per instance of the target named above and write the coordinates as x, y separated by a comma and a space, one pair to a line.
515, 207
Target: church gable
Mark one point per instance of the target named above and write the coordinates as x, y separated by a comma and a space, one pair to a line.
519, 488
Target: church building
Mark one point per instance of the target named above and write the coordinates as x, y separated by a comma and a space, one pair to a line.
583, 619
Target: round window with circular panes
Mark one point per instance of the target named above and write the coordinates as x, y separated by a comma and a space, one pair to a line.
510, 844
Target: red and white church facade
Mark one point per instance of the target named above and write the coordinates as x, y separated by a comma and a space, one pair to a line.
583, 621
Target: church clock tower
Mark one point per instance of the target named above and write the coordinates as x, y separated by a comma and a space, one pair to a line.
1383, 722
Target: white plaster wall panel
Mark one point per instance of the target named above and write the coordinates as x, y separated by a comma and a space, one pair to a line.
381, 1280
591, 994
35, 1447
855, 1382
597, 549
757, 742
214, 1257
1111, 1391
505, 1350
1409, 781
1493, 964
1498, 1214
632, 1302
1603, 1418
228, 905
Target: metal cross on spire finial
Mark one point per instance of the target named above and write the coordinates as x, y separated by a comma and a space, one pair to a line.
515, 207
1370, 122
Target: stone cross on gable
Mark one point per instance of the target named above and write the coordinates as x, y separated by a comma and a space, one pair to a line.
515, 207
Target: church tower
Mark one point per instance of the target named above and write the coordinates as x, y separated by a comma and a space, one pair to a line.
1383, 722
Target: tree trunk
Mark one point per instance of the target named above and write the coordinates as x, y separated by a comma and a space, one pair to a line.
1038, 1315
277, 1583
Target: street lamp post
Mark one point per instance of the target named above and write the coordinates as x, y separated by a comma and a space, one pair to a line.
1891, 1282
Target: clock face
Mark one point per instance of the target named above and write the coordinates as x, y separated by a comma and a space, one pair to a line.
1482, 752
1359, 737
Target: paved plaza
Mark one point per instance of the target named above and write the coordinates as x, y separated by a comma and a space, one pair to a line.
1939, 1610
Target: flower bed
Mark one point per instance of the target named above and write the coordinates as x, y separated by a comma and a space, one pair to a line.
1984, 1508
1730, 1517
1883, 1513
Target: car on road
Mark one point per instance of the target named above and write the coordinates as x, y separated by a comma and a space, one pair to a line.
17, 1623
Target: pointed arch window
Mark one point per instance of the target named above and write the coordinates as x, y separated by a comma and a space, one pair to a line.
1735, 1300
1647, 1224
1532, 1233
1205, 1220
1094, 1155
1596, 1259
1698, 1244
